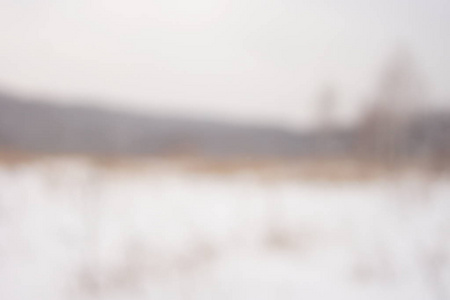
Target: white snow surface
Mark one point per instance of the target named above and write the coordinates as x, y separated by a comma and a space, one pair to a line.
69, 230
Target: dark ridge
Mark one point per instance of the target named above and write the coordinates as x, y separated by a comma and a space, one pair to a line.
35, 126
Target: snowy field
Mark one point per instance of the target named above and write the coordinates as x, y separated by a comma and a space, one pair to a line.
69, 230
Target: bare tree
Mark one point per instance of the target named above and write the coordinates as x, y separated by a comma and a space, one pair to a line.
397, 101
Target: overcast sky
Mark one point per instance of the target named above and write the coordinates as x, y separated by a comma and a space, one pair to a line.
246, 60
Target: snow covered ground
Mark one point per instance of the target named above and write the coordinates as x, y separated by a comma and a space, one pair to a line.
69, 230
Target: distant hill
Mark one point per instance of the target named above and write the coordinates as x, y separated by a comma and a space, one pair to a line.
34, 126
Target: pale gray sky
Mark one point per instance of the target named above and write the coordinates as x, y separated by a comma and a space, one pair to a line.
246, 60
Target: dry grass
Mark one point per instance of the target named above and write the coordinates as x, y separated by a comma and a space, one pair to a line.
14, 158
270, 169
